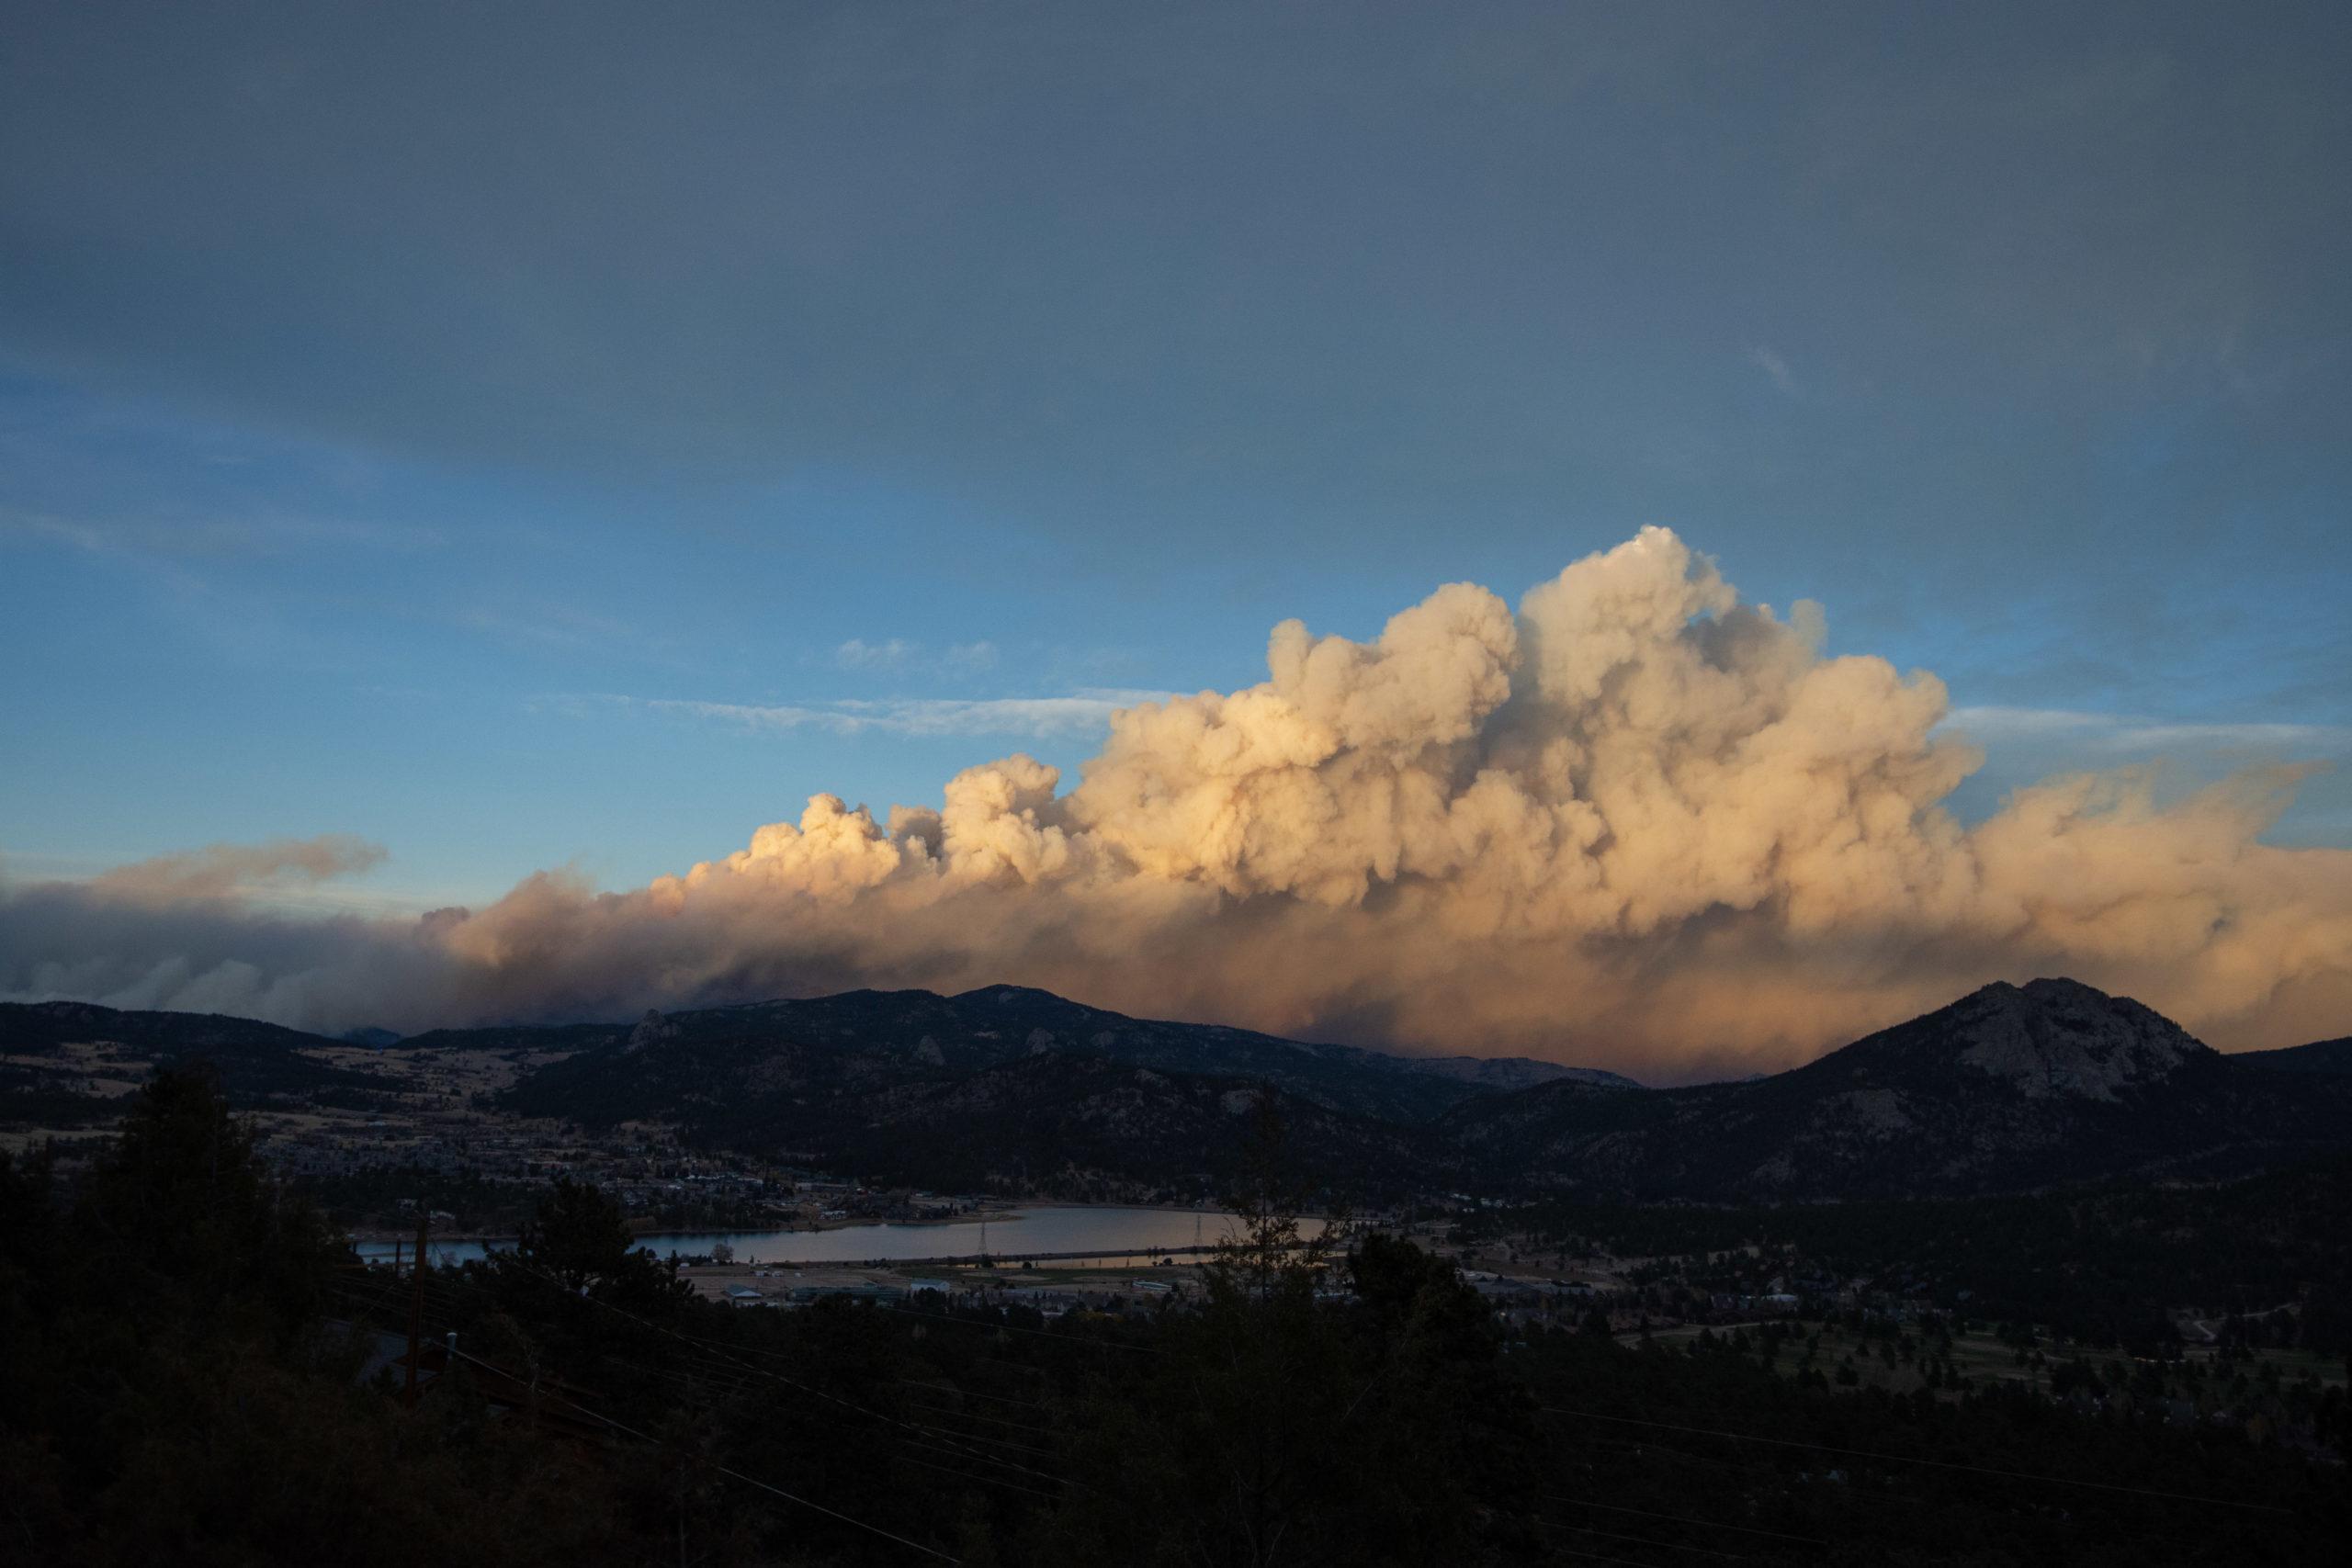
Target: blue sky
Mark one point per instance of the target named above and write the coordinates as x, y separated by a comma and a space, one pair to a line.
430, 427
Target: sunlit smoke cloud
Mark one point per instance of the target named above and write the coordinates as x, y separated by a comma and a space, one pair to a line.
1637, 824
223, 871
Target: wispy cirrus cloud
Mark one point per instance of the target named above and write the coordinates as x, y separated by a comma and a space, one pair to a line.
209, 537
1772, 364
898, 654
892, 653
1080, 712
973, 656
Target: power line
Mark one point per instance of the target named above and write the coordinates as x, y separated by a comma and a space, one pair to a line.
992, 1480
728, 1472
1041, 1333
1652, 1448
710, 1378
1593, 1556
732, 1473
788, 1383
1639, 1539
968, 1457
443, 1298
1841, 1495
1685, 1519
733, 1381
972, 1394
987, 1420
995, 1442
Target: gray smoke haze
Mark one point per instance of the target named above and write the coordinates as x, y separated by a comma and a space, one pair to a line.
1637, 825
225, 871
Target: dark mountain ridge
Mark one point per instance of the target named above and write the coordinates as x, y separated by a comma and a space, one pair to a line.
858, 1041
2010, 1088
258, 1063
2329, 1056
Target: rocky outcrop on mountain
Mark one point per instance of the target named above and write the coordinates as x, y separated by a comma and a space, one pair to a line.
650, 1030
2060, 1039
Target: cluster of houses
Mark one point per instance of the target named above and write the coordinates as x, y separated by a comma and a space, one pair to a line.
648, 1177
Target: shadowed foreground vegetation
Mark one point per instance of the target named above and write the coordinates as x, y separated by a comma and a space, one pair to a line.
182, 1351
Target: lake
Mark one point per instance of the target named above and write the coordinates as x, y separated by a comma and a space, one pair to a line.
1043, 1228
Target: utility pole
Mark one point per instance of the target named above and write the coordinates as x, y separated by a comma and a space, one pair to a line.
416, 1301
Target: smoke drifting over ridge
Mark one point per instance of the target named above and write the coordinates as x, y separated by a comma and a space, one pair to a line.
1637, 825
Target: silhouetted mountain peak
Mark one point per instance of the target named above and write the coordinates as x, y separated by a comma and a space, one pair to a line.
2049, 1038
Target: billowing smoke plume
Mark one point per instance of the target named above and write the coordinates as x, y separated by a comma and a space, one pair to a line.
1638, 825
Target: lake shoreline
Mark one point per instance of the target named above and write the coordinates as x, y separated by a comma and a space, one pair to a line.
374, 1235
1032, 1229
